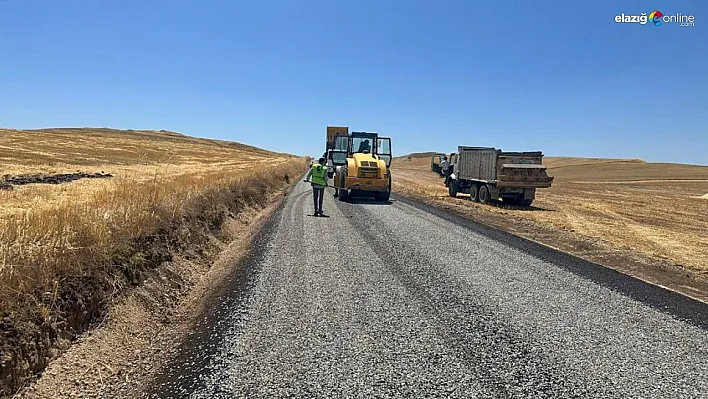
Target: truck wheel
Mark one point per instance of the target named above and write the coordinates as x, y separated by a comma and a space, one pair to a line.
474, 193
510, 201
382, 196
484, 194
525, 202
343, 192
452, 189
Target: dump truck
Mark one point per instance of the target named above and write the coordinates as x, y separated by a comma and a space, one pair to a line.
489, 174
366, 167
435, 163
336, 146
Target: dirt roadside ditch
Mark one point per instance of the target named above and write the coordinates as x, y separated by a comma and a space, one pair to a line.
125, 337
655, 271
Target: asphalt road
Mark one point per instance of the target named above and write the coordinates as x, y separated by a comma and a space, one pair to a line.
391, 300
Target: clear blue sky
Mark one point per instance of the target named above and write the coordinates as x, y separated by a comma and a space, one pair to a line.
556, 76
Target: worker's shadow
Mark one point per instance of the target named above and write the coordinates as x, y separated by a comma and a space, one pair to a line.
318, 216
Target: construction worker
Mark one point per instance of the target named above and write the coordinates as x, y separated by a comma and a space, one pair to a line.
318, 173
364, 146
445, 166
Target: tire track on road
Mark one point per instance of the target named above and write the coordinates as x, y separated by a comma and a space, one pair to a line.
500, 356
659, 298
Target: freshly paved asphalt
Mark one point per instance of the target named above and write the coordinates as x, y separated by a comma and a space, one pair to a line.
397, 300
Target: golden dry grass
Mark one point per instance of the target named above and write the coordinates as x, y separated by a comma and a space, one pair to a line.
650, 208
48, 232
128, 155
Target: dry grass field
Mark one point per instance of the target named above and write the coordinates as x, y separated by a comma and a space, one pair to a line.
136, 156
64, 247
656, 211
44, 223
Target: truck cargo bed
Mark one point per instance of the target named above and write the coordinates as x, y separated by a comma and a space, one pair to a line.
505, 169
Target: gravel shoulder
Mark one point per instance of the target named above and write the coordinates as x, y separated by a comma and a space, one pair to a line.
395, 300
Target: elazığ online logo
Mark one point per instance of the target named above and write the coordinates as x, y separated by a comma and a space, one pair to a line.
657, 18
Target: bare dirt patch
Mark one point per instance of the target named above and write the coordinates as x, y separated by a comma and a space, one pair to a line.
40, 178
653, 229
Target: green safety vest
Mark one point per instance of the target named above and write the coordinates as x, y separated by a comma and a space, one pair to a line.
318, 174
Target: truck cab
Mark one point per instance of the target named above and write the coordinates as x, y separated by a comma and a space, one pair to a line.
435, 163
336, 148
337, 155
452, 159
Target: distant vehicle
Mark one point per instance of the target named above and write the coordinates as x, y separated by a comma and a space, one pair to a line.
336, 148
435, 163
488, 174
